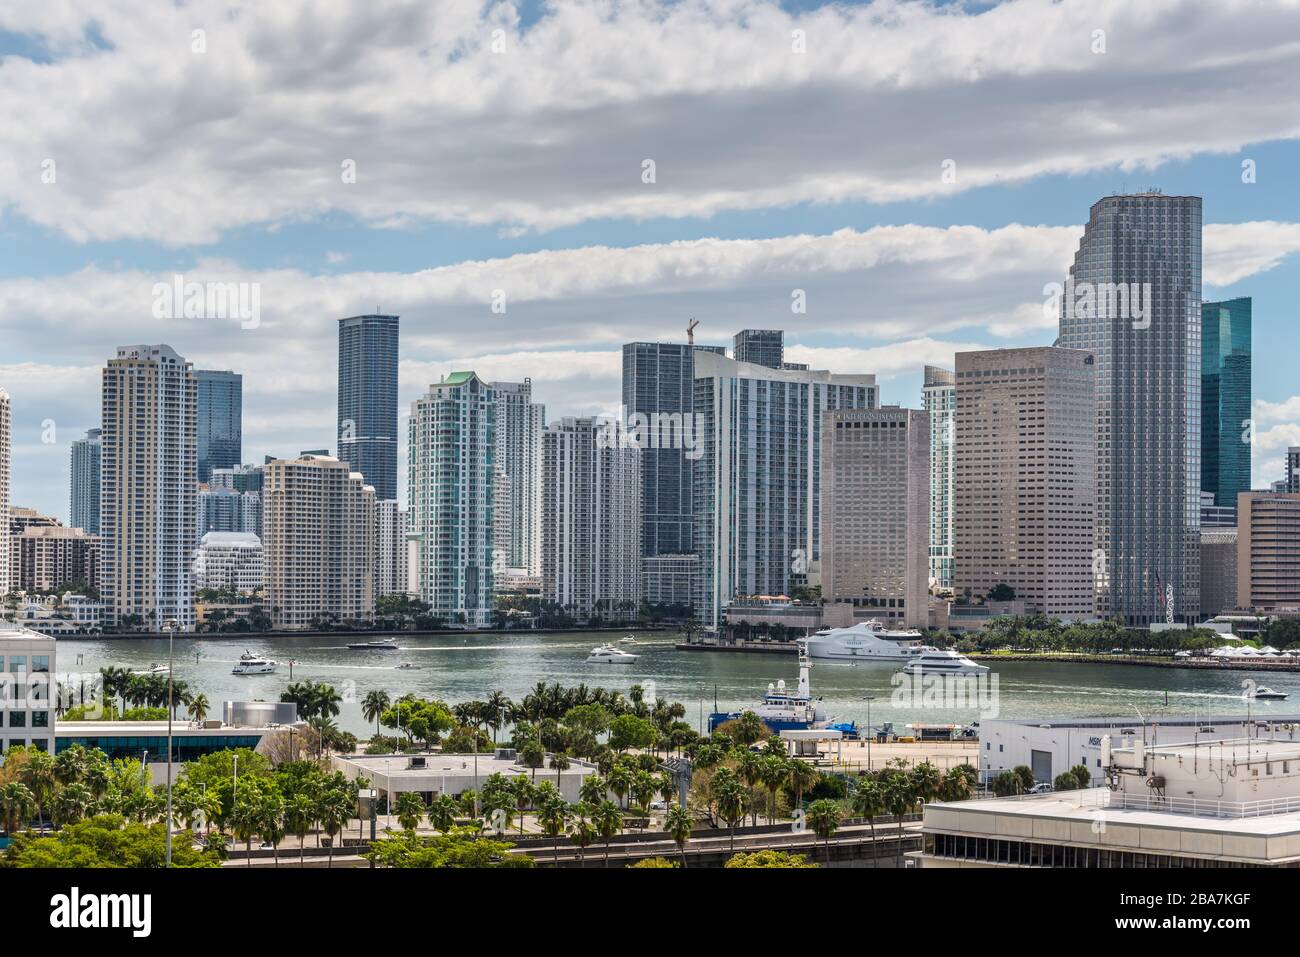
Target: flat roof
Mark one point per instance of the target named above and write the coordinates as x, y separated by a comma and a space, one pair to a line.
1133, 721
149, 729
398, 765
1239, 750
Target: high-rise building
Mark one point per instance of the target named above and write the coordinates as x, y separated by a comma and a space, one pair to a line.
367, 401
221, 420
875, 512
226, 510
6, 445
762, 347
390, 549
1225, 399
670, 581
1268, 550
1133, 299
84, 484
229, 560
659, 380
938, 397
519, 424
50, 556
21, 519
240, 478
318, 542
149, 476
1218, 570
451, 456
1292, 480
757, 505
591, 520
1024, 486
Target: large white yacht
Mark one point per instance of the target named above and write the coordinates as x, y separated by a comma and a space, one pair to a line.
935, 661
865, 640
610, 655
251, 664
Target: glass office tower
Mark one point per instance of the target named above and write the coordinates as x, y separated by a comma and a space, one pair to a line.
367, 425
84, 485
1225, 399
220, 423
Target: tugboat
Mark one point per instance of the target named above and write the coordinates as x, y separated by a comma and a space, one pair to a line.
782, 710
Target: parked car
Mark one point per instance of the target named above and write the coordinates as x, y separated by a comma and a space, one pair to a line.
1042, 787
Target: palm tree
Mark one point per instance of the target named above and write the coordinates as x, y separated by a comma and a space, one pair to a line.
899, 799
373, 705
244, 822
16, 805
593, 789
498, 706
825, 816
410, 809
801, 777
869, 802
72, 803
38, 774
751, 772
644, 786
609, 821
270, 822
732, 799
334, 810
524, 792
583, 832
70, 765
925, 781
300, 817
772, 772
443, 812
559, 764
620, 781
679, 822
553, 816
197, 709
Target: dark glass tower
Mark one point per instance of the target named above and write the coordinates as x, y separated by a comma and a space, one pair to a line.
764, 347
367, 424
1225, 399
1148, 358
220, 422
85, 481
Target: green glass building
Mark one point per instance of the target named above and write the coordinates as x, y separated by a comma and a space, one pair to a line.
1225, 399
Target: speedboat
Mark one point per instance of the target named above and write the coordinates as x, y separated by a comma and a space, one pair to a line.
1262, 693
153, 669
865, 640
627, 640
936, 661
384, 644
782, 710
610, 655
251, 664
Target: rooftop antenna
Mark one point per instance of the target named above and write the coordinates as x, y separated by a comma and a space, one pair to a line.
691, 323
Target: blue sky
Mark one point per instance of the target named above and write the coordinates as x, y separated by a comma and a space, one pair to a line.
521, 171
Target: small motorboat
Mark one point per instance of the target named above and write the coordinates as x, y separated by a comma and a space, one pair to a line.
610, 655
627, 640
1262, 693
153, 669
384, 644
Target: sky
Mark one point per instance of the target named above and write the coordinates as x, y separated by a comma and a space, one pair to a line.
601, 171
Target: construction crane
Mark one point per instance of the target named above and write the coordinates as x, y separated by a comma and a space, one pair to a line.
691, 323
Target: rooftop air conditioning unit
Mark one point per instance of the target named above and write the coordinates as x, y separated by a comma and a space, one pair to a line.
506, 754
416, 764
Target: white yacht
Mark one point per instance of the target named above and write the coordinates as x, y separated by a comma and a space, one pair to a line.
610, 655
153, 669
251, 664
936, 661
627, 640
864, 641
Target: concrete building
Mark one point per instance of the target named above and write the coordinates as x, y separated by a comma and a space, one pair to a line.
670, 579
762, 347
149, 473
319, 542
591, 519
1218, 570
1292, 481
939, 399
229, 560
1024, 486
228, 510
1268, 550
451, 456
875, 512
432, 775
6, 451
50, 556
757, 500
1133, 300
367, 400
237, 478
1226, 418
391, 573
84, 483
518, 436
27, 664
220, 420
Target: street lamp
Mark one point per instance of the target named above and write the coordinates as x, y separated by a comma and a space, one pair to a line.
869, 732
171, 641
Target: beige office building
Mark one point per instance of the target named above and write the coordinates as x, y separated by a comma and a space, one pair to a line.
875, 512
52, 555
1024, 486
148, 487
1268, 550
318, 539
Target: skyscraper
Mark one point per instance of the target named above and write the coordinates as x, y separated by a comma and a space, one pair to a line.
1024, 491
1225, 399
1133, 299
1268, 551
757, 507
220, 420
659, 380
875, 512
318, 542
591, 520
84, 483
6, 445
763, 347
149, 478
450, 485
938, 397
390, 549
226, 510
519, 424
367, 401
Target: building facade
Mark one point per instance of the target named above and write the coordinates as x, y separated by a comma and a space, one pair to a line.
229, 561
1024, 485
875, 512
591, 520
53, 556
220, 420
757, 498
670, 580
367, 399
84, 482
318, 542
1218, 570
939, 398
519, 424
1268, 550
1226, 429
6, 452
451, 453
28, 660
226, 510
149, 473
1133, 299
390, 549
762, 347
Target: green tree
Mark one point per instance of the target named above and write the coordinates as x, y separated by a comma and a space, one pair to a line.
410, 810
443, 813
373, 706
824, 817
732, 799
609, 821
679, 823
105, 840
16, 805
869, 802
769, 858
